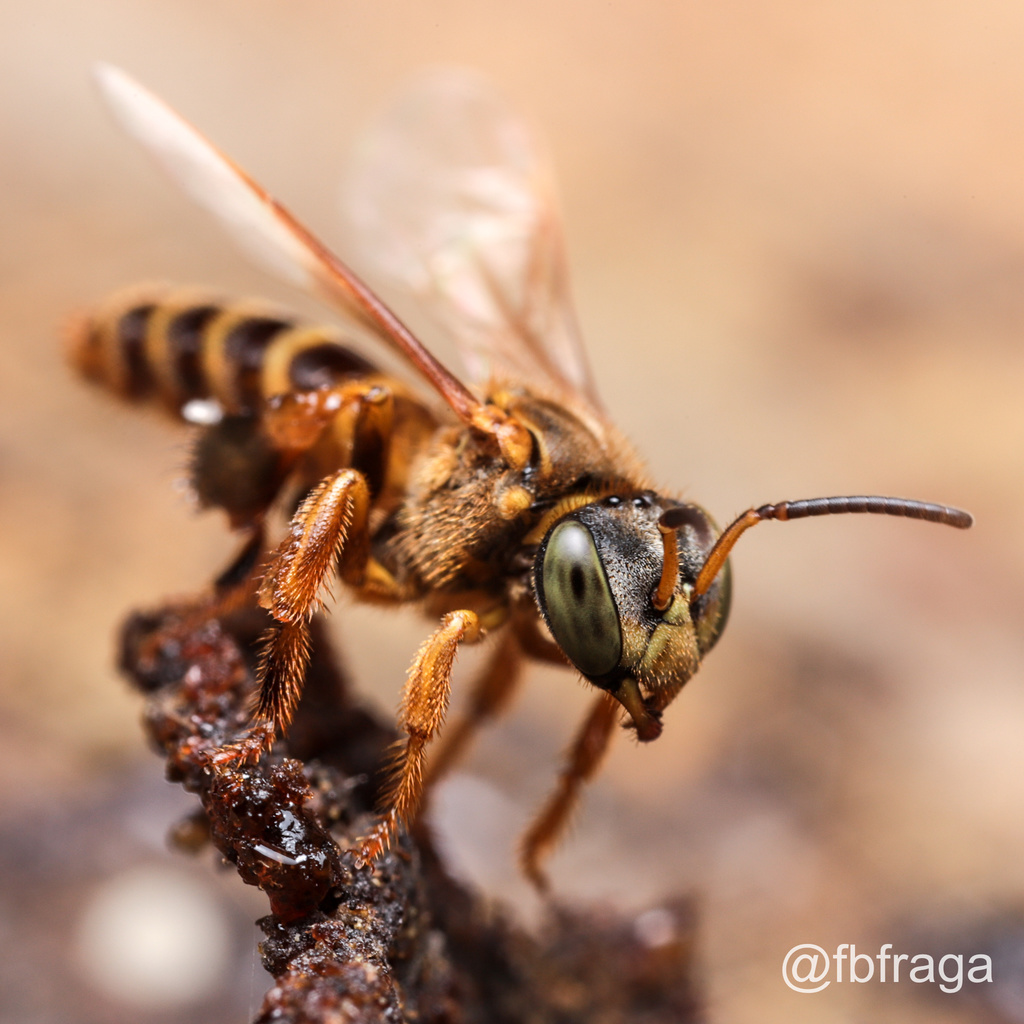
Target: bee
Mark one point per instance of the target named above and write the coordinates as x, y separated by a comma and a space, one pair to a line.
510, 506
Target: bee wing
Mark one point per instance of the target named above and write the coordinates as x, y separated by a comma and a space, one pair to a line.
452, 200
265, 229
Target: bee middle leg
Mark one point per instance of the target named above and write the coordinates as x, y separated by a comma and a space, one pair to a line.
489, 695
423, 708
493, 689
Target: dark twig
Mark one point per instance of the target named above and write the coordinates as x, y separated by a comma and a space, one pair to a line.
401, 941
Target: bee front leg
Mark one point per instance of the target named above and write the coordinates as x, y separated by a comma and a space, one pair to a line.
328, 530
421, 714
583, 759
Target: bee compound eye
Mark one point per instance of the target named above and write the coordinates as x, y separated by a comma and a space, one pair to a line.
578, 600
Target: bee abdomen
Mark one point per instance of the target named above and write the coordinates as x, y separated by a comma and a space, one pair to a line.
176, 345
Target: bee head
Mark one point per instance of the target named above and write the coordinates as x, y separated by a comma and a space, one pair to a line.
614, 582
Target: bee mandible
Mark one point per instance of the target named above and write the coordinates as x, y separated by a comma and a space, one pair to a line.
509, 507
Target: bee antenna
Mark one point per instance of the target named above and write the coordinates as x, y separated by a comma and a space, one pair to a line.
671, 520
669, 567
820, 507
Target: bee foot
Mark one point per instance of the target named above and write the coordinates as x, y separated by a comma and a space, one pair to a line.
247, 750
378, 842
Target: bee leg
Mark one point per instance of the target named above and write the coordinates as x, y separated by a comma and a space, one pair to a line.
490, 694
242, 567
360, 412
232, 589
421, 714
235, 586
234, 467
582, 761
494, 688
328, 529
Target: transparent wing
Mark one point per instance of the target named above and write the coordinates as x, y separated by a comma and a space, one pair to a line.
266, 230
450, 198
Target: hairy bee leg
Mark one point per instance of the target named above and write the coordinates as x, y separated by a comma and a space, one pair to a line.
421, 714
489, 696
327, 532
328, 527
583, 759
494, 688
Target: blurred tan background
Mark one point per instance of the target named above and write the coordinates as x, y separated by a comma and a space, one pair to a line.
796, 234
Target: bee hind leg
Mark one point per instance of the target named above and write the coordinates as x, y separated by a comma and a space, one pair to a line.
582, 760
328, 530
421, 715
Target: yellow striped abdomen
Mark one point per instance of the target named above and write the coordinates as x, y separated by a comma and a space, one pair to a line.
177, 345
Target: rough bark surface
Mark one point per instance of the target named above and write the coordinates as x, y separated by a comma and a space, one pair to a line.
400, 941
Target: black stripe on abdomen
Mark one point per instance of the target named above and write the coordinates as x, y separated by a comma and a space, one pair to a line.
244, 348
137, 379
185, 334
324, 365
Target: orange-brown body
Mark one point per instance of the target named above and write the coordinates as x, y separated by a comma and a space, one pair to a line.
447, 516
443, 519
